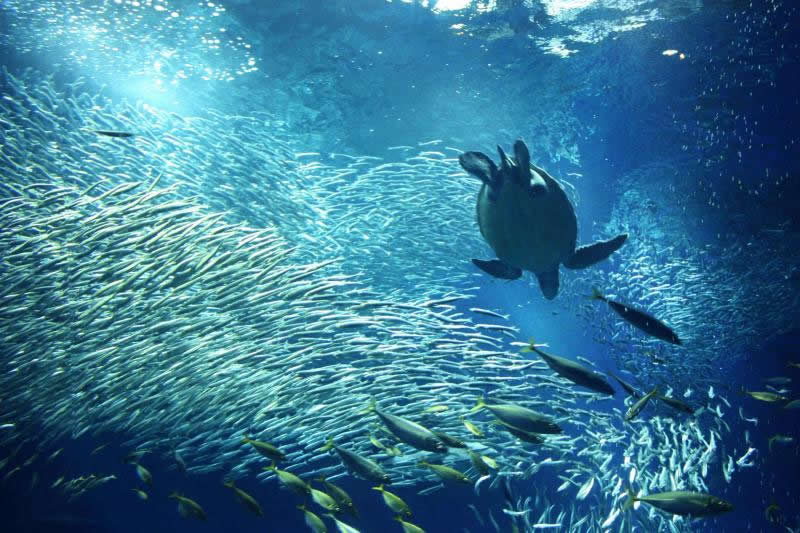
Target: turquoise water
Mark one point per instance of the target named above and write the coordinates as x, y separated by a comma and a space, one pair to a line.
287, 233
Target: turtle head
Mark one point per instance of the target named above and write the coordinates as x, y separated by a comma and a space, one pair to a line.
523, 175
507, 165
518, 169
523, 157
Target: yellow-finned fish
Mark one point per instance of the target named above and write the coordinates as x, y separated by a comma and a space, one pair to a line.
247, 500
637, 407
682, 503
343, 499
472, 428
144, 474
639, 319
324, 500
765, 396
519, 417
187, 507
394, 502
408, 527
290, 480
313, 521
266, 449
341, 526
446, 473
358, 464
573, 371
408, 431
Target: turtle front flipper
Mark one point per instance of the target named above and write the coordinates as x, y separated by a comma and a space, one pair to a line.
548, 282
498, 269
483, 168
590, 254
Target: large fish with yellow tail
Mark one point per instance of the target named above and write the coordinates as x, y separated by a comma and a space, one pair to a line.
639, 319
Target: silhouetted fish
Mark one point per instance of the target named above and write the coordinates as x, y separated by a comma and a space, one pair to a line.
682, 503
120, 134
627, 386
573, 371
677, 404
641, 320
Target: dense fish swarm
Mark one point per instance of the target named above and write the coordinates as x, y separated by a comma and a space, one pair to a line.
706, 291
157, 287
204, 40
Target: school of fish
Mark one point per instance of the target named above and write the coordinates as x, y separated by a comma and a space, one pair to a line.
217, 295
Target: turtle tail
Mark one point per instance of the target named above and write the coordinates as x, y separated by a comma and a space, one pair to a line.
548, 282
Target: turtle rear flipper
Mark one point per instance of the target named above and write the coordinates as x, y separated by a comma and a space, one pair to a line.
498, 269
590, 254
548, 282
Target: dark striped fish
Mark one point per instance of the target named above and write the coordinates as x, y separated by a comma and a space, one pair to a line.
573, 371
677, 404
119, 134
639, 319
630, 389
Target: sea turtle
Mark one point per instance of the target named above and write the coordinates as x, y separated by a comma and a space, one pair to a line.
525, 216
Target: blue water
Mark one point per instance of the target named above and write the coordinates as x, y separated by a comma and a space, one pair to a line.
356, 77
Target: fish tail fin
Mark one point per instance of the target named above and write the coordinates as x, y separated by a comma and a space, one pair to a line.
301, 507
271, 467
246, 439
630, 501
378, 488
655, 392
771, 440
328, 445
480, 404
597, 295
174, 495
320, 479
371, 407
228, 484
531, 347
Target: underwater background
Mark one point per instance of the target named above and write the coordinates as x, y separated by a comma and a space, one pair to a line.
248, 217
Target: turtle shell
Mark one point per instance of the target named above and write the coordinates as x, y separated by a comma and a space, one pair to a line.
535, 232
